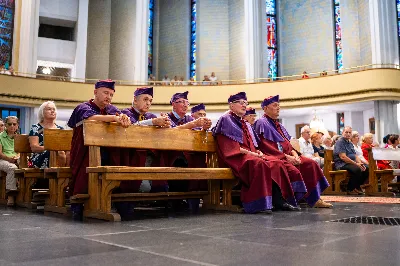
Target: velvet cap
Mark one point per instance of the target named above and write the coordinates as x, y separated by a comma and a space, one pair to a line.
198, 107
237, 96
179, 95
108, 83
269, 100
144, 90
250, 111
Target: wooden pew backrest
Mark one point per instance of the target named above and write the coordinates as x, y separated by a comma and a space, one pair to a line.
57, 140
21, 144
142, 137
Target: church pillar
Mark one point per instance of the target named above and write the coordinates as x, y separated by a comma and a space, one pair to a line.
384, 39
385, 118
29, 28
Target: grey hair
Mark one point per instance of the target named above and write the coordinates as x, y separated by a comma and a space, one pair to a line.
325, 137
41, 110
304, 128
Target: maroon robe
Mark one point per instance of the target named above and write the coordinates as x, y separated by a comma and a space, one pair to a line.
137, 158
192, 160
275, 142
256, 174
80, 153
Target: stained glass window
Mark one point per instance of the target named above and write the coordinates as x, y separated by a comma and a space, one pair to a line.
6, 31
338, 35
272, 48
398, 21
150, 40
193, 49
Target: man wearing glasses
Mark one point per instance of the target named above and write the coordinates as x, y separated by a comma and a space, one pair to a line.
265, 181
179, 120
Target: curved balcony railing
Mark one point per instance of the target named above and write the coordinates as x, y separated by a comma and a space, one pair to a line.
219, 82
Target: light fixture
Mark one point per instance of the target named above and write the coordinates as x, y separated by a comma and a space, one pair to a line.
46, 71
317, 125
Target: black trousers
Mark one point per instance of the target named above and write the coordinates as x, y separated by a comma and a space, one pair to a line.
357, 177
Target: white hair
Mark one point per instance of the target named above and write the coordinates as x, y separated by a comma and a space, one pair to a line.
41, 110
304, 129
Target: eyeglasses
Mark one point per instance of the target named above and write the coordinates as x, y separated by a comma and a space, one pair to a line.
12, 124
241, 102
183, 102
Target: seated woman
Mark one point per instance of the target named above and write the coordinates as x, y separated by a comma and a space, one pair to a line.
394, 143
355, 139
40, 158
316, 140
327, 142
8, 157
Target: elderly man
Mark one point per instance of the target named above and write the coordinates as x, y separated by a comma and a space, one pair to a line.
100, 109
345, 158
199, 111
306, 177
250, 115
265, 182
139, 114
306, 147
179, 120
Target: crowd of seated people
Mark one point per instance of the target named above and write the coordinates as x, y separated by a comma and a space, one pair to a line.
180, 81
259, 151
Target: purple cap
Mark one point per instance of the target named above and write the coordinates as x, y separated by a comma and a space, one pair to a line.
179, 95
145, 90
237, 96
108, 83
250, 111
198, 107
269, 100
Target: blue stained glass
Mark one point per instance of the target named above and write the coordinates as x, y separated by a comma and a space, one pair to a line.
6, 31
4, 114
270, 10
193, 16
399, 30
270, 7
338, 36
398, 8
150, 38
13, 113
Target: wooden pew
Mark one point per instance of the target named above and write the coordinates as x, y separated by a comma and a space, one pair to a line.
104, 179
375, 176
26, 176
57, 140
334, 177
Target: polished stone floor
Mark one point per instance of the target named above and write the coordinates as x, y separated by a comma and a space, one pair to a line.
283, 238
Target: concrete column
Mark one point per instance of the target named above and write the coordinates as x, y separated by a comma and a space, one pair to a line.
29, 37
122, 40
386, 121
81, 29
142, 35
253, 35
98, 39
384, 39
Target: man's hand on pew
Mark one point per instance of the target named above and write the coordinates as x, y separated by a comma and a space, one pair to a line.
123, 120
203, 122
162, 121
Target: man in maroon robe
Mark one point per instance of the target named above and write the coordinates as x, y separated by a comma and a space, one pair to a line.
199, 111
250, 115
179, 120
275, 141
264, 179
99, 108
139, 114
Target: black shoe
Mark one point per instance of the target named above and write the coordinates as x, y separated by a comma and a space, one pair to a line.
126, 210
286, 207
266, 212
194, 205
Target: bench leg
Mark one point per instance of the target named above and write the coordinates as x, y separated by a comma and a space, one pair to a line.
58, 205
3, 196
99, 203
28, 193
21, 193
385, 180
52, 200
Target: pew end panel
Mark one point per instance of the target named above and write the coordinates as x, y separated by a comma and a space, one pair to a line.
334, 177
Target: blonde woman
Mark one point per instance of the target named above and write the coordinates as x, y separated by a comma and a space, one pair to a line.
355, 139
47, 116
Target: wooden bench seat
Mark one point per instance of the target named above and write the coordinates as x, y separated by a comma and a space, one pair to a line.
103, 180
